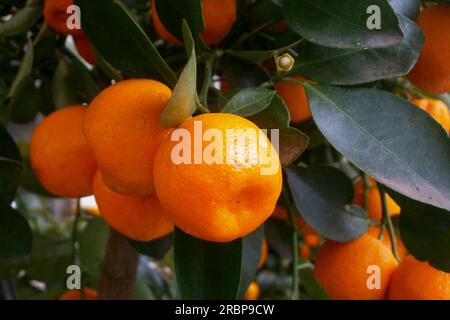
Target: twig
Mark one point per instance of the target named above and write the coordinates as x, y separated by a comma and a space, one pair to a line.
387, 221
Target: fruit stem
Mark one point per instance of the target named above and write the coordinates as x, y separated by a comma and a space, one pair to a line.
387, 221
75, 243
295, 244
207, 75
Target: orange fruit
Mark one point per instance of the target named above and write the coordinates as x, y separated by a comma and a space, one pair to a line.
56, 16
264, 253
223, 198
138, 218
437, 109
122, 126
88, 294
374, 206
304, 251
294, 96
312, 239
60, 154
343, 269
253, 291
417, 280
84, 48
219, 16
432, 70
375, 232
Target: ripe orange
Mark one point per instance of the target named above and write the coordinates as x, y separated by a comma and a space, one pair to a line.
374, 207
343, 269
437, 109
219, 199
89, 294
219, 15
61, 156
432, 71
294, 95
417, 280
84, 48
311, 239
122, 126
264, 253
56, 16
138, 218
375, 232
304, 251
253, 291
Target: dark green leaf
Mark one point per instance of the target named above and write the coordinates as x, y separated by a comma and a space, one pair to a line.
322, 195
25, 68
63, 89
156, 249
255, 56
22, 20
86, 85
249, 102
210, 270
312, 287
8, 148
25, 101
408, 8
93, 242
388, 138
292, 144
121, 41
15, 233
356, 66
243, 74
342, 24
30, 182
10, 173
275, 116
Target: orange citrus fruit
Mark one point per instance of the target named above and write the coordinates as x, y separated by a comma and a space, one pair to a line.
375, 232
374, 206
253, 291
304, 251
264, 253
122, 126
432, 70
294, 96
84, 48
219, 16
417, 280
60, 154
139, 218
227, 194
343, 269
88, 294
437, 109
56, 16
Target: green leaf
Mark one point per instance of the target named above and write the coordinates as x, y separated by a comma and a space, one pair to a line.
322, 194
25, 101
182, 103
342, 24
173, 12
8, 148
275, 116
356, 66
210, 270
93, 242
425, 231
407, 8
10, 173
279, 236
156, 249
255, 56
86, 86
25, 68
22, 20
249, 102
293, 143
122, 42
15, 233
63, 89
309, 282
30, 182
388, 138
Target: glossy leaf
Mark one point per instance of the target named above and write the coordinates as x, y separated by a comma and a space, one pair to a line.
25, 68
293, 143
8, 148
63, 90
249, 102
275, 116
342, 24
25, 102
15, 233
22, 20
408, 8
356, 66
111, 29
10, 173
210, 270
322, 195
156, 249
390, 139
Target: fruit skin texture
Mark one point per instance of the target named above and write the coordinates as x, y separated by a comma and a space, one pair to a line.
417, 280
437, 109
253, 291
60, 154
432, 71
89, 294
218, 202
219, 15
138, 218
122, 126
294, 95
84, 48
341, 268
55, 14
401, 249
374, 207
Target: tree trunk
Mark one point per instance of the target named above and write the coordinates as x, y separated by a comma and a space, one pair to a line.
119, 269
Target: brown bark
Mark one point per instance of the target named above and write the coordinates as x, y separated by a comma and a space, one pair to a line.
119, 269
